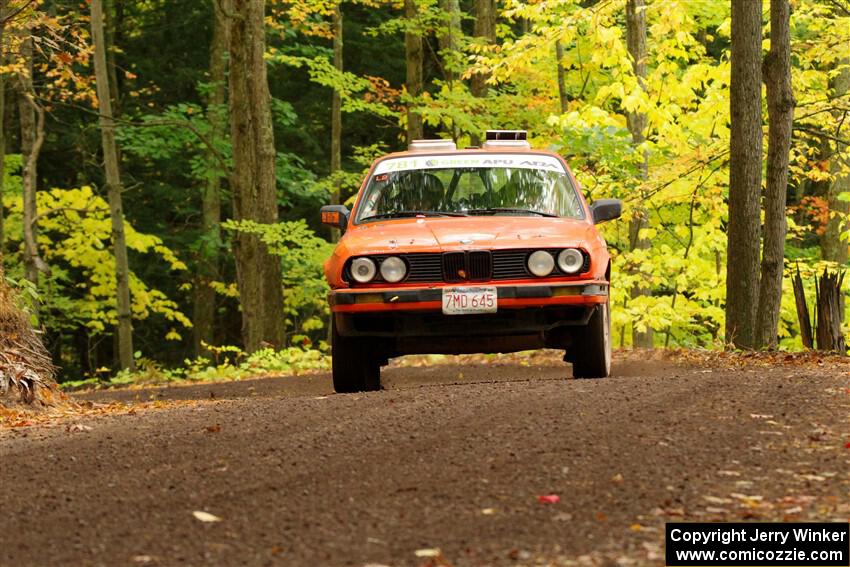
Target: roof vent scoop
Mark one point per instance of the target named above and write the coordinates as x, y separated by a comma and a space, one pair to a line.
506, 139
431, 146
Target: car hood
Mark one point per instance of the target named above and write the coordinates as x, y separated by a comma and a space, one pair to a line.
460, 233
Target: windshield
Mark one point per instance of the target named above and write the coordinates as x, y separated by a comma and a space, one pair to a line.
479, 184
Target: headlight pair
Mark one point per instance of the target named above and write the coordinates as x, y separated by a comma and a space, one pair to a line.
364, 270
541, 263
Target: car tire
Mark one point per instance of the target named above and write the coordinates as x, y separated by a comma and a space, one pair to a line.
356, 367
592, 346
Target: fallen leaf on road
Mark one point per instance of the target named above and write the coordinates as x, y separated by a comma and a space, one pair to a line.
847, 445
754, 497
213, 428
428, 552
488, 511
78, 427
205, 516
549, 499
617, 478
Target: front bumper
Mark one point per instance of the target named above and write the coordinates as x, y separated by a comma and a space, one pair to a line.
587, 292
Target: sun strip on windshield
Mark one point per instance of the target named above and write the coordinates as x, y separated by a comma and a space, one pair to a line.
514, 161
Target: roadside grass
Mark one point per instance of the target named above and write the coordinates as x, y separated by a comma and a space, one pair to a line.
231, 364
225, 364
228, 363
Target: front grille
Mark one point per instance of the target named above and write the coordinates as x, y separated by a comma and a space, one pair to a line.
424, 268
480, 265
454, 267
510, 264
475, 265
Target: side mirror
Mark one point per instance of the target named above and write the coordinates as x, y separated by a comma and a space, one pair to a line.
335, 216
606, 209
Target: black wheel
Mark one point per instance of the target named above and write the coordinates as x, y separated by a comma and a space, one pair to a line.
592, 346
356, 366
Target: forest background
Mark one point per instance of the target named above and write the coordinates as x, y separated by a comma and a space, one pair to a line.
635, 95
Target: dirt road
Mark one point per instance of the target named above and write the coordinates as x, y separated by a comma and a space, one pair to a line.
450, 457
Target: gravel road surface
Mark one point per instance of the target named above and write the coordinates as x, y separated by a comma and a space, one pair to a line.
451, 458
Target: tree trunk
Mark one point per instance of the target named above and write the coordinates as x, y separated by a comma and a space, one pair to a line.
828, 299
484, 30
2, 156
636, 41
3, 5
253, 184
111, 19
113, 189
448, 40
780, 111
802, 311
562, 87
413, 56
208, 257
32, 138
832, 247
336, 112
744, 230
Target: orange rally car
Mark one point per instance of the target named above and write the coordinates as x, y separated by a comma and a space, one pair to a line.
489, 249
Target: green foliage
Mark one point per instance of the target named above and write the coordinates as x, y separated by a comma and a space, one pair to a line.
170, 154
74, 239
302, 255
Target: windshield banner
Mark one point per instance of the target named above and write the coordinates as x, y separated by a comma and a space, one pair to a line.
511, 161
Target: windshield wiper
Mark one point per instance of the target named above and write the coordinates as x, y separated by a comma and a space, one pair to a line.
401, 214
510, 210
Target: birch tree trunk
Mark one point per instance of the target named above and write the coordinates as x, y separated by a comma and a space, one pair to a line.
113, 189
208, 260
744, 228
253, 184
636, 41
780, 111
413, 57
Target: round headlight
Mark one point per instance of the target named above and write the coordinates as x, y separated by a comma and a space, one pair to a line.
363, 270
570, 261
541, 263
393, 269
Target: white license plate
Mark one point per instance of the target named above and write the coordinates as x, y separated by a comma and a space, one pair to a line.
468, 300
